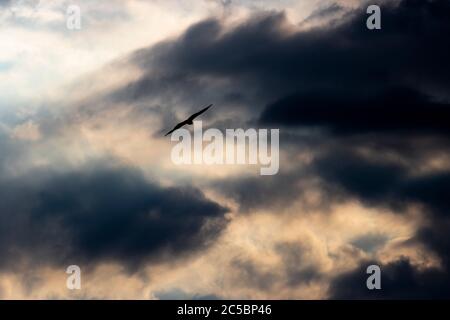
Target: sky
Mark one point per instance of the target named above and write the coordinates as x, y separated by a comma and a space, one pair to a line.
87, 179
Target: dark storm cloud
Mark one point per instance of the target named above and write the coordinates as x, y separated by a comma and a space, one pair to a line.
397, 110
399, 280
370, 180
100, 213
363, 87
305, 73
357, 84
273, 192
383, 183
409, 51
378, 182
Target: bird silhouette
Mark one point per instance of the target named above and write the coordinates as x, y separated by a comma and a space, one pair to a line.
188, 120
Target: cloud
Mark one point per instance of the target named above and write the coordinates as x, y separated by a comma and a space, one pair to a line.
399, 280
395, 186
101, 213
273, 192
396, 110
383, 182
380, 97
364, 138
268, 55
177, 294
370, 242
4, 3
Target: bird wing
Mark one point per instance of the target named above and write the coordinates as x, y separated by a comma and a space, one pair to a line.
178, 126
192, 117
195, 115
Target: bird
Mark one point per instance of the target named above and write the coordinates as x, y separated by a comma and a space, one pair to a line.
188, 120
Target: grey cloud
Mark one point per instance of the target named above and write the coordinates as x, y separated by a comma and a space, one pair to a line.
178, 294
399, 280
360, 87
272, 192
4, 3
331, 11
258, 56
384, 182
295, 269
250, 274
370, 242
100, 213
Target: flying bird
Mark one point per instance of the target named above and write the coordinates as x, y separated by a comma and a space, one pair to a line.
188, 120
